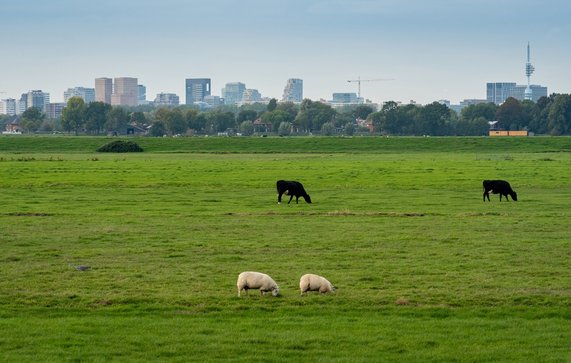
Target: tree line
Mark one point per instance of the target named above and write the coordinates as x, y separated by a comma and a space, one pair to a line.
549, 115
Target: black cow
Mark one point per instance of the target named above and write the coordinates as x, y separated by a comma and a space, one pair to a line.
500, 187
293, 189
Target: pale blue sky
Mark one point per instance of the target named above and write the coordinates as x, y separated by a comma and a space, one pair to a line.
434, 49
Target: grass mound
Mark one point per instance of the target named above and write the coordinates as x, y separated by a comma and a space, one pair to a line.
120, 146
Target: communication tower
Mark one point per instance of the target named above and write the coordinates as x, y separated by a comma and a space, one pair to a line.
528, 72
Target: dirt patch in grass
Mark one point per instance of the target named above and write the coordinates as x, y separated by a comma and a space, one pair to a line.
402, 301
481, 214
337, 213
28, 214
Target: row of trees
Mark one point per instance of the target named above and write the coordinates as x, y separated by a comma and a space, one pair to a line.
93, 118
550, 115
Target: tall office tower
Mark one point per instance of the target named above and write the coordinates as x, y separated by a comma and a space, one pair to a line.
125, 92
22, 104
293, 91
233, 93
8, 107
103, 90
197, 89
87, 94
142, 98
38, 99
498, 92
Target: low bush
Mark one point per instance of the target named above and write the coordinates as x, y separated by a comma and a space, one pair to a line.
120, 146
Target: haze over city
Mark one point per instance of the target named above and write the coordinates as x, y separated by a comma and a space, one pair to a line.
432, 50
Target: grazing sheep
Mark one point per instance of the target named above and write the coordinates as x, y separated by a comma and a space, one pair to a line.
311, 282
257, 280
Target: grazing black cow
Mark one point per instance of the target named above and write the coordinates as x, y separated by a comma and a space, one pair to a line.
500, 187
293, 189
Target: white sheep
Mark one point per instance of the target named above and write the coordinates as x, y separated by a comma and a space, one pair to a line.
257, 280
312, 282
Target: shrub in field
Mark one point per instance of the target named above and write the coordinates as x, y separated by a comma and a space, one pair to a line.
120, 146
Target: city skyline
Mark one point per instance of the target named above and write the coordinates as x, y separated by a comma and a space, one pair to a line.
435, 50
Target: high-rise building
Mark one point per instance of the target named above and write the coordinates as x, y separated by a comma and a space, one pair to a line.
345, 98
22, 104
166, 99
38, 99
35, 98
125, 92
293, 91
197, 89
531, 92
103, 90
87, 94
251, 96
8, 107
233, 93
213, 101
142, 99
500, 91
54, 110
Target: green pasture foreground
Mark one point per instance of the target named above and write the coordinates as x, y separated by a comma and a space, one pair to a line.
426, 271
358, 144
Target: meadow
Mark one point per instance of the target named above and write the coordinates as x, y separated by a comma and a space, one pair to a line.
425, 270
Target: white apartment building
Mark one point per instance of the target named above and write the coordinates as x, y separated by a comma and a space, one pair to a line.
251, 96
8, 107
293, 91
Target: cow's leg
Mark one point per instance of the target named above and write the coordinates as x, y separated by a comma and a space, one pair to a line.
500, 197
279, 198
290, 198
507, 199
486, 195
297, 199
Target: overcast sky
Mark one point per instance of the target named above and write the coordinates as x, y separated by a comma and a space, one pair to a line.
432, 49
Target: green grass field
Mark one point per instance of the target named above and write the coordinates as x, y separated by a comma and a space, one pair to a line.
425, 270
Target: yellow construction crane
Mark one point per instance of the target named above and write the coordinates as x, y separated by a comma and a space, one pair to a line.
359, 80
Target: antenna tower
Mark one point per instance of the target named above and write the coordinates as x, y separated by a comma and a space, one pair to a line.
528, 94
